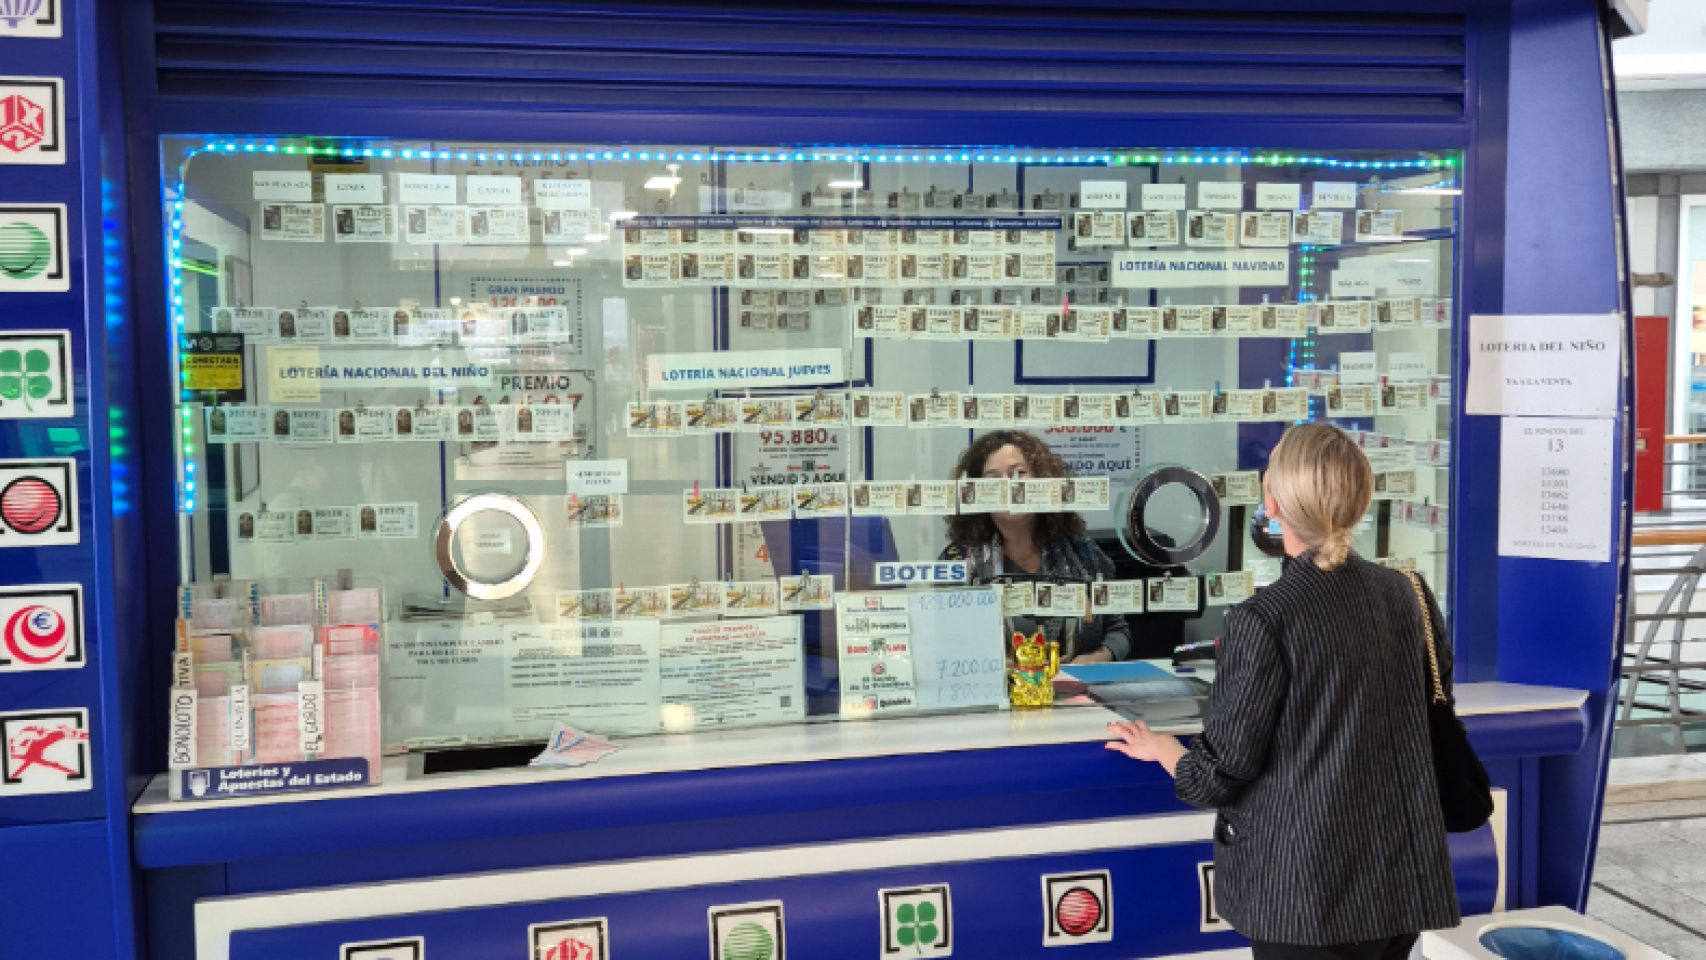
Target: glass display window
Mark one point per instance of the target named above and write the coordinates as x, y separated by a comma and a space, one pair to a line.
644, 439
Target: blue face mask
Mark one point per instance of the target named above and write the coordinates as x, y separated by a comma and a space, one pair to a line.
1265, 533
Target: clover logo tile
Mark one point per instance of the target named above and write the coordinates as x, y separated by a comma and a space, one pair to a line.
917, 921
36, 19
46, 751
748, 931
35, 374
32, 119
33, 257
1078, 908
570, 940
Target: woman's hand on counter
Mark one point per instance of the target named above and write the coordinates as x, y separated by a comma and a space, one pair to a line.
1137, 741
1098, 655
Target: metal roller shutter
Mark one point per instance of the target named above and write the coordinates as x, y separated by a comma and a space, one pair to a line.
851, 59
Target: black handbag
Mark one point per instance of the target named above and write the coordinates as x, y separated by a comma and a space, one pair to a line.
1465, 794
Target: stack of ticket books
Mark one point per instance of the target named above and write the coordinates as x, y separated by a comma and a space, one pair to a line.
277, 673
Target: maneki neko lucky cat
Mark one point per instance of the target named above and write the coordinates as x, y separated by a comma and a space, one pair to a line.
1032, 680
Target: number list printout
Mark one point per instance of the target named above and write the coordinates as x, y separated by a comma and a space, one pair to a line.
1555, 488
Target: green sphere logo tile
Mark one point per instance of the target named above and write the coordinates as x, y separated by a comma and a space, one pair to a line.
25, 251
749, 941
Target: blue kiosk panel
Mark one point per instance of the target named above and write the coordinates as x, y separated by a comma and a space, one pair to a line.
1502, 82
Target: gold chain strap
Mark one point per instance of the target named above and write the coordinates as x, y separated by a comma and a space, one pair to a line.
1428, 626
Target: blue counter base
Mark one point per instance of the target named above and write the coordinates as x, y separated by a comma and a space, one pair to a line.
267, 849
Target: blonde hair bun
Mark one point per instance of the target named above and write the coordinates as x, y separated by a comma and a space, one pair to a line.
1323, 485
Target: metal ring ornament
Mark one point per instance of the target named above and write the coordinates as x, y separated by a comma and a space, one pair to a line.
1135, 533
510, 506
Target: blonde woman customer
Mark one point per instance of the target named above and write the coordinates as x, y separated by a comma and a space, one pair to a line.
1328, 839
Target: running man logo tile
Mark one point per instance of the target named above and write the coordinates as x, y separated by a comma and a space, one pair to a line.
917, 921
747, 931
43, 627
33, 248
38, 503
409, 948
45, 751
32, 118
35, 373
36, 19
1212, 921
1078, 908
570, 940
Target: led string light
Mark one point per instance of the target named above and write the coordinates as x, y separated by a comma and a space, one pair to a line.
869, 154
1303, 350
112, 258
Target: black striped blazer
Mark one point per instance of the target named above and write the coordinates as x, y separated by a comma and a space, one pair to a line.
1315, 754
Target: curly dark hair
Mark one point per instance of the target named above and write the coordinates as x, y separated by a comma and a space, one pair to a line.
978, 527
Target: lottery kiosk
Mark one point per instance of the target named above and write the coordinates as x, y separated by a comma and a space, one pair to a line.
548, 456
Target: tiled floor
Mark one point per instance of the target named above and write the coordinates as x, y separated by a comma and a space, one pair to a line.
1650, 881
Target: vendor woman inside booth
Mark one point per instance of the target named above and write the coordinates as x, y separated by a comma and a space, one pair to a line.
1040, 544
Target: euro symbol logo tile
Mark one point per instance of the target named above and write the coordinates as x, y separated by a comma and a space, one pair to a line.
41, 628
32, 121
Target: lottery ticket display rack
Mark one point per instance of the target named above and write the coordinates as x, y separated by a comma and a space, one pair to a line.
432, 420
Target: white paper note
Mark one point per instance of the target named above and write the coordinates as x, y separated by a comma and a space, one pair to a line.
1212, 195
1331, 196
283, 185
1278, 196
1555, 488
1101, 194
1544, 365
1363, 367
354, 188
597, 476
436, 188
1163, 196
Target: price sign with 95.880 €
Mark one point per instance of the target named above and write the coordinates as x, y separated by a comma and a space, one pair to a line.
1555, 488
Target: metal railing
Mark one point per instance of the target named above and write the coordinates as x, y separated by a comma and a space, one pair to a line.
1657, 674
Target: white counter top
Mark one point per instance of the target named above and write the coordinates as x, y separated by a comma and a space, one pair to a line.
1480, 699
727, 749
825, 741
